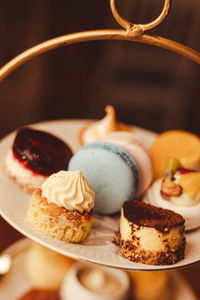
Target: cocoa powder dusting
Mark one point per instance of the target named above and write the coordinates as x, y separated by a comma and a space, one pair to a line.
147, 215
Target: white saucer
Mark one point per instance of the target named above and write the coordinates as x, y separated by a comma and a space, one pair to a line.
98, 247
16, 282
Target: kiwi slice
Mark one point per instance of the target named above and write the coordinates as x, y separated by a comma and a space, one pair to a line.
171, 165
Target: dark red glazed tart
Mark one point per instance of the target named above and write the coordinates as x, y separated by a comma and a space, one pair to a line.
41, 152
34, 156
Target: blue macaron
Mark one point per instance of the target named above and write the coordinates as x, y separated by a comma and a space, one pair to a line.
111, 171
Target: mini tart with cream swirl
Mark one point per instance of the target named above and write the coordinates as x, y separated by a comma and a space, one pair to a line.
178, 190
95, 131
63, 207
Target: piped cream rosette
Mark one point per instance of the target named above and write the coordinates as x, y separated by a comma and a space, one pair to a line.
69, 189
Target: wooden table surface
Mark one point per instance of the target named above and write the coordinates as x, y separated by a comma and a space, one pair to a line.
9, 235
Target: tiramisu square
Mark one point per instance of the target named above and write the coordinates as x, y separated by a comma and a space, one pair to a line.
151, 235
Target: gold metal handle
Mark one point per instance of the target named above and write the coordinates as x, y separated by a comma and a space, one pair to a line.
132, 32
139, 29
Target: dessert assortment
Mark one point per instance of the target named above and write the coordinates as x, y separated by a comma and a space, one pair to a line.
34, 156
115, 170
121, 170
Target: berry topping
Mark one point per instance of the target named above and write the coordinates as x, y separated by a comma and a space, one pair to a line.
41, 152
181, 171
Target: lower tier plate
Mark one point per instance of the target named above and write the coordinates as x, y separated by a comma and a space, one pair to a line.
16, 283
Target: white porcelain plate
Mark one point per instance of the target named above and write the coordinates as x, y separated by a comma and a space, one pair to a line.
16, 282
98, 246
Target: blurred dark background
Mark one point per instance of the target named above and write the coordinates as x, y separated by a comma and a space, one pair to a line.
149, 87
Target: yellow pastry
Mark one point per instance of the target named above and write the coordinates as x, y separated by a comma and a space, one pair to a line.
179, 144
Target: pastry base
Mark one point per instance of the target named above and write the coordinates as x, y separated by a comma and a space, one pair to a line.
122, 127
58, 222
161, 257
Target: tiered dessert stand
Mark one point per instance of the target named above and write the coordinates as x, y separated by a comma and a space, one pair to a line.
92, 250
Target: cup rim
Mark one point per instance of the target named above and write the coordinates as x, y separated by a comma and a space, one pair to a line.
122, 276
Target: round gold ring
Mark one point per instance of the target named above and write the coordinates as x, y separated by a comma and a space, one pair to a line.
139, 29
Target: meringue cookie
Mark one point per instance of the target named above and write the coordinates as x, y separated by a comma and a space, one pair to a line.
138, 151
94, 131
